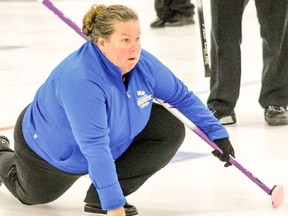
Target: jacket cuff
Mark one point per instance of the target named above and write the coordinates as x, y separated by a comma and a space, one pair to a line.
111, 197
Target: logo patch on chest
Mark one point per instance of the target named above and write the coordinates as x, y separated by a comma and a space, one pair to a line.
143, 99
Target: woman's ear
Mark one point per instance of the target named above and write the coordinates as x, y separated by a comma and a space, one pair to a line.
101, 43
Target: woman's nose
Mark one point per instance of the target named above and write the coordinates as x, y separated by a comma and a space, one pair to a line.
135, 47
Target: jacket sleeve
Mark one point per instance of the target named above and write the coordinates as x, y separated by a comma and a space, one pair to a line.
173, 91
84, 105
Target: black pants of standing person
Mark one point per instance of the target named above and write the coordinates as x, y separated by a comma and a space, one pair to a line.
226, 37
166, 9
33, 181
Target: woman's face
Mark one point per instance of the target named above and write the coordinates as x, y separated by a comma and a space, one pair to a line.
123, 47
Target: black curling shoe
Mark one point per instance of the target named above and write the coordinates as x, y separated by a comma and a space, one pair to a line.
4, 146
96, 209
158, 23
276, 115
4, 143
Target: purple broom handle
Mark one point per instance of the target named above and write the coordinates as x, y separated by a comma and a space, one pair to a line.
66, 20
233, 161
204, 137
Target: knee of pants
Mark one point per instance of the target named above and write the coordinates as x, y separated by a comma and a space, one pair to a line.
168, 127
178, 131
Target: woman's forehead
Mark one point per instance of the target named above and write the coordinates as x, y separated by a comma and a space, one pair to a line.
127, 27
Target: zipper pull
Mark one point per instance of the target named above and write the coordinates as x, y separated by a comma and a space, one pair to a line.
128, 95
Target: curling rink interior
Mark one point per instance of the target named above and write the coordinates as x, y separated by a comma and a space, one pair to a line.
33, 41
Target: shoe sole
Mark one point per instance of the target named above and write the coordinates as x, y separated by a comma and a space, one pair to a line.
227, 120
276, 122
177, 25
91, 209
157, 26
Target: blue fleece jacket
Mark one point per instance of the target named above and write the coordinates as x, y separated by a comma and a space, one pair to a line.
83, 118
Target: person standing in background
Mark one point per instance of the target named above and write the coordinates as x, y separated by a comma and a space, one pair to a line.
226, 37
173, 13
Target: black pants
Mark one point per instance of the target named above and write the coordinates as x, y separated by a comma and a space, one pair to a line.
226, 37
33, 181
166, 9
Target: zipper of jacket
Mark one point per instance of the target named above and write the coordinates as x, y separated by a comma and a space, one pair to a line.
128, 96
125, 83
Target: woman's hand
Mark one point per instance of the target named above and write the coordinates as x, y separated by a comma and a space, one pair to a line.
116, 212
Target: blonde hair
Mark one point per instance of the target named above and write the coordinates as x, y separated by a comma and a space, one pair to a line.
100, 19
